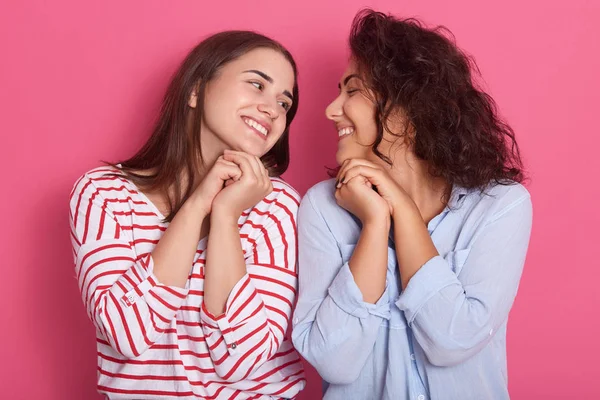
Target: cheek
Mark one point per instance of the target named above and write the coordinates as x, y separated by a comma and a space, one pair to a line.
215, 104
362, 115
215, 118
278, 128
229, 97
360, 110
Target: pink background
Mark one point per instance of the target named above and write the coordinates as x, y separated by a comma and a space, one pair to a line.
81, 81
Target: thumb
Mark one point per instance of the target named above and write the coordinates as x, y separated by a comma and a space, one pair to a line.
230, 172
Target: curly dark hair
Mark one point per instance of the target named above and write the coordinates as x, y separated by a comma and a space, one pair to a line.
451, 124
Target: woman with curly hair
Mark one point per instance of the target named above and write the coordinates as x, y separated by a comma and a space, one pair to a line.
409, 261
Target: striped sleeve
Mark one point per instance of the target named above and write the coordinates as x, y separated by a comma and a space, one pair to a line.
259, 307
126, 302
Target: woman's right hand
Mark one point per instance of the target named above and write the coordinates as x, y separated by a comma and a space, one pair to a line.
358, 197
221, 174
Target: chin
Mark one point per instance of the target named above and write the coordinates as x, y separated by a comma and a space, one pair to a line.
340, 157
257, 151
351, 152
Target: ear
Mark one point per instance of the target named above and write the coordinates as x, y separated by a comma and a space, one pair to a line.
193, 100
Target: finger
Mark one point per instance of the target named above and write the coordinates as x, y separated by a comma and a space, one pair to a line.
357, 180
374, 175
341, 171
229, 182
227, 172
256, 166
226, 168
355, 163
264, 170
254, 163
243, 161
338, 196
261, 173
347, 165
265, 175
225, 162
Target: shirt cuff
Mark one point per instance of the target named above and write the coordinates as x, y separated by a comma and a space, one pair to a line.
432, 277
243, 297
163, 299
347, 296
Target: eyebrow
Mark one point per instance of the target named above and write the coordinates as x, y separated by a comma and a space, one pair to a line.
270, 80
347, 79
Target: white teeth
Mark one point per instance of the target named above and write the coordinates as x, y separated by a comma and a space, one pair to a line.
345, 131
256, 126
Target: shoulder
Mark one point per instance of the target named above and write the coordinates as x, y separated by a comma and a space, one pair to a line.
506, 197
284, 191
321, 196
282, 203
497, 200
100, 183
320, 203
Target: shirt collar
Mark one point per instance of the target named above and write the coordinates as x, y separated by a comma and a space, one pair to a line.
456, 196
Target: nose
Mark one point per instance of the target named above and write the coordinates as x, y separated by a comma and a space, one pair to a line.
269, 109
335, 110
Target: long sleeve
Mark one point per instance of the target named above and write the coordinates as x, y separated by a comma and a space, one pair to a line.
334, 329
259, 307
454, 315
126, 302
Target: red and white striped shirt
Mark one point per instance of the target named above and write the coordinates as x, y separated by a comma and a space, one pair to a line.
159, 342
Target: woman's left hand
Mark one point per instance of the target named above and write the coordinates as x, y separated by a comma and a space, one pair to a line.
252, 186
394, 195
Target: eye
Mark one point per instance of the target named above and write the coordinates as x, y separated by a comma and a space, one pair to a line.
257, 85
350, 92
285, 105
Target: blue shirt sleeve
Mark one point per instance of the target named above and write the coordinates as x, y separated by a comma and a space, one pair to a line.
333, 328
454, 314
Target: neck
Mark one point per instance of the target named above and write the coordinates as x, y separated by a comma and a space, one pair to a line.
205, 162
425, 190
212, 148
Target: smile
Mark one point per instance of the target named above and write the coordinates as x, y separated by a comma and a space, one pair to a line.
346, 131
253, 124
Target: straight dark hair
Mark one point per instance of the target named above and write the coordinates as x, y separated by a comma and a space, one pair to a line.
174, 147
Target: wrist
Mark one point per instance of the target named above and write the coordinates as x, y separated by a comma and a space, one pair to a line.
224, 215
376, 222
196, 205
404, 208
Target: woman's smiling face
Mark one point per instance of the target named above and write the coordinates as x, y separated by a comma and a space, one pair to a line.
246, 103
353, 113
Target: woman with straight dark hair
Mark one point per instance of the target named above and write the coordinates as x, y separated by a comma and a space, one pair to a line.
409, 261
185, 253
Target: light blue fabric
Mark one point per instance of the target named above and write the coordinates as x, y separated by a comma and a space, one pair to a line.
444, 336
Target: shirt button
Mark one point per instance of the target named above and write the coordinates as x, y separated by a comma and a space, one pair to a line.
412, 357
233, 345
421, 397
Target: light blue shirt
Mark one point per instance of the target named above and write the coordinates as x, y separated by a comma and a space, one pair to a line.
444, 336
